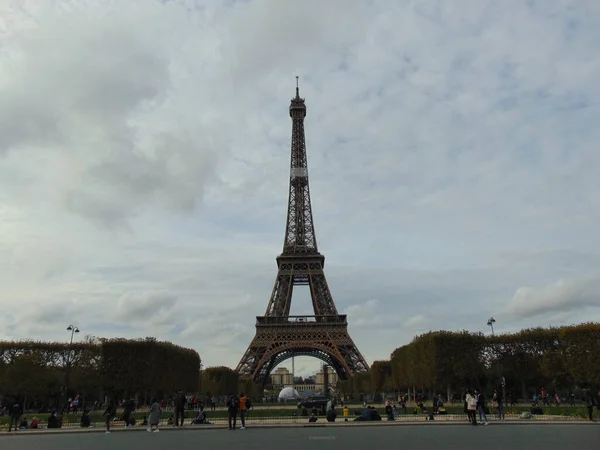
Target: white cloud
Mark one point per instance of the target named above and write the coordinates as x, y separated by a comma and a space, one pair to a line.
144, 149
415, 322
562, 296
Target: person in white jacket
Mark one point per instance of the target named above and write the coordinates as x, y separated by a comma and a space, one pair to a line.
471, 407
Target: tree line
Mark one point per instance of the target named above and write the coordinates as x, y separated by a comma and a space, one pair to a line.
222, 381
562, 359
46, 373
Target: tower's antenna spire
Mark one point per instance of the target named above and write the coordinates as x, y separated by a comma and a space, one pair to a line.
297, 89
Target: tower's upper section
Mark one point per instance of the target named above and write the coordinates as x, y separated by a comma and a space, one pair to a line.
297, 106
300, 236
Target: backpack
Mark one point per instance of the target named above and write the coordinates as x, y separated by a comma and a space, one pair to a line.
233, 402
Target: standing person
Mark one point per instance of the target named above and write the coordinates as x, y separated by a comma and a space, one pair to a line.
544, 396
498, 399
109, 413
15, 411
153, 416
481, 407
127, 409
330, 410
243, 409
233, 403
213, 403
471, 401
180, 402
75, 404
589, 400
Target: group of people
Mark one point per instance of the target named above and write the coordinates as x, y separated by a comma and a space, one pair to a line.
474, 402
152, 420
235, 405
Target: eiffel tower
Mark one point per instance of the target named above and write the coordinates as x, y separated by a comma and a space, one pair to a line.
280, 336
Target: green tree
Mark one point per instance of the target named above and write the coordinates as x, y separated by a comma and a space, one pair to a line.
220, 380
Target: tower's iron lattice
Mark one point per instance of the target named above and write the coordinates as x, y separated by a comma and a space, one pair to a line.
280, 336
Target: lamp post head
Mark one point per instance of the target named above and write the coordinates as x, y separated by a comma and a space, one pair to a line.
70, 328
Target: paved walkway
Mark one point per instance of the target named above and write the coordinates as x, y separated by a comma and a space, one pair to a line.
304, 424
427, 436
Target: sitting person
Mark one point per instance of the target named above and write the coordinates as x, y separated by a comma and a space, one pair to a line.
35, 423
201, 418
369, 414
24, 424
85, 419
312, 418
53, 421
170, 420
389, 412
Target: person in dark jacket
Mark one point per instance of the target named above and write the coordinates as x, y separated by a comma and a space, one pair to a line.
85, 421
233, 404
109, 413
127, 410
15, 411
481, 406
180, 402
54, 420
589, 400
499, 404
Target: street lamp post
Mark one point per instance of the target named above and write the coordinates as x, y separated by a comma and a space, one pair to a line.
200, 381
491, 321
73, 329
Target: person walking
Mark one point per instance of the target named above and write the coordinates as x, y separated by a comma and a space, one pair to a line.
180, 402
243, 410
109, 413
233, 404
481, 407
127, 410
154, 416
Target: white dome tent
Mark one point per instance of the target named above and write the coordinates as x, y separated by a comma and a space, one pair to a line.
288, 394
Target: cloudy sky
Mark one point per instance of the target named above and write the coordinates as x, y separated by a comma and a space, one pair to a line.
144, 150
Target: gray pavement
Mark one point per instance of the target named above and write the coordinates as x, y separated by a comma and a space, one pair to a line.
423, 437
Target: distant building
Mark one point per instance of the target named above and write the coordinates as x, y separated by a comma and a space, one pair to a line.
332, 378
282, 377
305, 387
